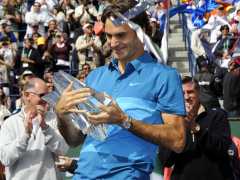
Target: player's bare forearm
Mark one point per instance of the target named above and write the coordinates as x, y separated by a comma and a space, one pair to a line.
171, 134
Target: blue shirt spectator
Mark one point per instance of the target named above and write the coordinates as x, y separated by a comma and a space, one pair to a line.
10, 35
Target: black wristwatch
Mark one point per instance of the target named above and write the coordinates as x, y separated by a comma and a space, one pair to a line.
127, 124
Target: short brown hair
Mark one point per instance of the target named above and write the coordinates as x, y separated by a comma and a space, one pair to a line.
122, 6
189, 79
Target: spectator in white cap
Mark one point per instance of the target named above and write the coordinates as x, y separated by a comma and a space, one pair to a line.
88, 46
27, 74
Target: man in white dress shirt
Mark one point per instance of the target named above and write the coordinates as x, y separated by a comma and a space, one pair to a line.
29, 139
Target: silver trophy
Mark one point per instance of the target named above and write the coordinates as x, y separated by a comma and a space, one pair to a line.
61, 80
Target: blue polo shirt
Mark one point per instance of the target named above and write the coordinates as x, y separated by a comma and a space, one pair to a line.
146, 89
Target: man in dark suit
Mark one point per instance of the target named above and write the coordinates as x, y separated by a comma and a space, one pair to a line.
208, 139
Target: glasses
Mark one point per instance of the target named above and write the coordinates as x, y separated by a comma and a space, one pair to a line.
39, 95
86, 68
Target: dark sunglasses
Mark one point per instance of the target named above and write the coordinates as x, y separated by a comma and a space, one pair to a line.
39, 95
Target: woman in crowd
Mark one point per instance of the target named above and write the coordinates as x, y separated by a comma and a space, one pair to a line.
60, 51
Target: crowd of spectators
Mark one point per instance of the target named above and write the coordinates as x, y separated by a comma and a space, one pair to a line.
40, 36
46, 35
217, 60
